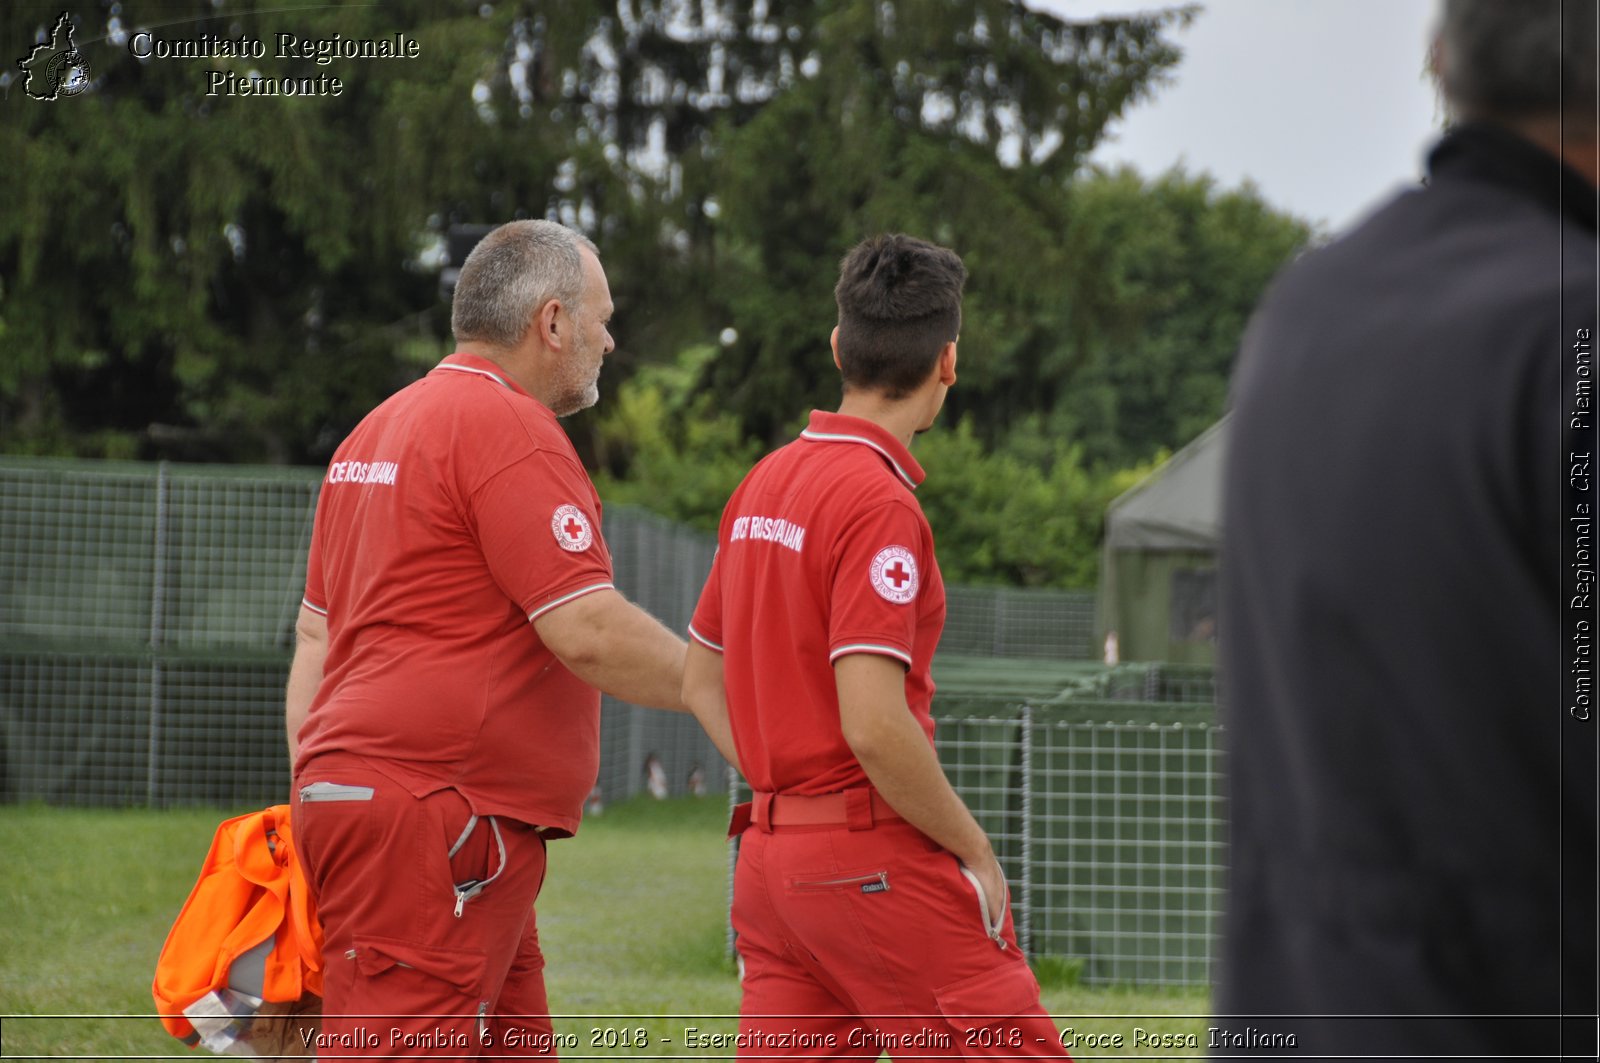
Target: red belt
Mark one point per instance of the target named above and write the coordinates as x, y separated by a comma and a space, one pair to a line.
857, 809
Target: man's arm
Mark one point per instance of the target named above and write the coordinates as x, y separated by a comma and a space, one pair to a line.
305, 673
707, 698
614, 645
897, 757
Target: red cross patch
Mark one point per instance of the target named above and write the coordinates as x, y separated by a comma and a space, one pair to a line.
572, 529
894, 574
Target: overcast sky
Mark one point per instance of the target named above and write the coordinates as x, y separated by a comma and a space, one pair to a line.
1322, 103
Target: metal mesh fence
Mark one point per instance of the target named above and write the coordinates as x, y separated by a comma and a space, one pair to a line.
1101, 803
140, 573
1125, 859
662, 566
1010, 622
146, 623
78, 552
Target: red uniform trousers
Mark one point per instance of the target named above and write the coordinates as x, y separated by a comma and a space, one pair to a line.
866, 940
411, 968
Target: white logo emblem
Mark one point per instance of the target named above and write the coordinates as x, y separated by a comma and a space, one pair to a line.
894, 574
572, 528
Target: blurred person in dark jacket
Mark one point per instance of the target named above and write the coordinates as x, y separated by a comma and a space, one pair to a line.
1407, 527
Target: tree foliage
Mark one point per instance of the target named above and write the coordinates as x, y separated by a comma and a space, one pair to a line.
207, 277
664, 446
1030, 519
239, 278
1178, 265
223, 277
999, 517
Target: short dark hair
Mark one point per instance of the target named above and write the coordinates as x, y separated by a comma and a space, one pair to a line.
899, 304
1509, 61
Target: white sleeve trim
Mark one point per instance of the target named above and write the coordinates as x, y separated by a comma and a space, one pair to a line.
703, 640
869, 647
319, 610
565, 598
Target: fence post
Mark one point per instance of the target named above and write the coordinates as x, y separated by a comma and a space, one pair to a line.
997, 643
158, 593
1026, 933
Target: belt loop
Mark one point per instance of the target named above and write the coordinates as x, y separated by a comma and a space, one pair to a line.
762, 811
858, 808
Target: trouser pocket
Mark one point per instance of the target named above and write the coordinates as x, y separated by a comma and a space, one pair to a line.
427, 995
474, 846
861, 881
334, 791
993, 929
461, 969
472, 874
996, 1013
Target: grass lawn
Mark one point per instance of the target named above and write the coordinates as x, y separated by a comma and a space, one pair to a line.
633, 922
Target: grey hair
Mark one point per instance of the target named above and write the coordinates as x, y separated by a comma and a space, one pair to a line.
1517, 59
513, 272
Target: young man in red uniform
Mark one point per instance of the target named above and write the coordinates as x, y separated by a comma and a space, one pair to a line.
442, 707
870, 909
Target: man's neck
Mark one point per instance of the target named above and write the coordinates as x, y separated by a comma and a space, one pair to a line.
901, 418
513, 362
1575, 145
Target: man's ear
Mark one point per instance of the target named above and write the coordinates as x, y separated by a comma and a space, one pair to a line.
546, 322
833, 341
947, 364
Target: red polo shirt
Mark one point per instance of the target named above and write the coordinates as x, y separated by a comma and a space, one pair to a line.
823, 551
455, 514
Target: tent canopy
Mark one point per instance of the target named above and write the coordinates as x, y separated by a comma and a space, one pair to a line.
1179, 506
1158, 575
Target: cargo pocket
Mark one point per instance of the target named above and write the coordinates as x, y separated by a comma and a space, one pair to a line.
979, 1009
460, 969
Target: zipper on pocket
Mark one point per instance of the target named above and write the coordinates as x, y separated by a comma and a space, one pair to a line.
876, 882
992, 929
333, 791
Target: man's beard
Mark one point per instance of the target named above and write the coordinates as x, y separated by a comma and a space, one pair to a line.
569, 402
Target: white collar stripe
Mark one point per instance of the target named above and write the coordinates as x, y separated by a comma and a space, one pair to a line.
496, 377
831, 437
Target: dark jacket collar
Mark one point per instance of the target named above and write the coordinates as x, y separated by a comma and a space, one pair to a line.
1480, 151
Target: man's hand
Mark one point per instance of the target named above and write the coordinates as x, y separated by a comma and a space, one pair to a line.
995, 891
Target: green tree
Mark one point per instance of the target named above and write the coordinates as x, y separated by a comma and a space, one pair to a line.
1177, 264
958, 122
1001, 517
240, 278
219, 277
665, 447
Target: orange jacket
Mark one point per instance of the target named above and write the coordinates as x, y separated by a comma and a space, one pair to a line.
252, 890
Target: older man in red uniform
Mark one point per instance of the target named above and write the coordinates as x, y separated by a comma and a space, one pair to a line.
442, 707
871, 912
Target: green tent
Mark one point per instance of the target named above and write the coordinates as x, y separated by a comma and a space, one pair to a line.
1158, 573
